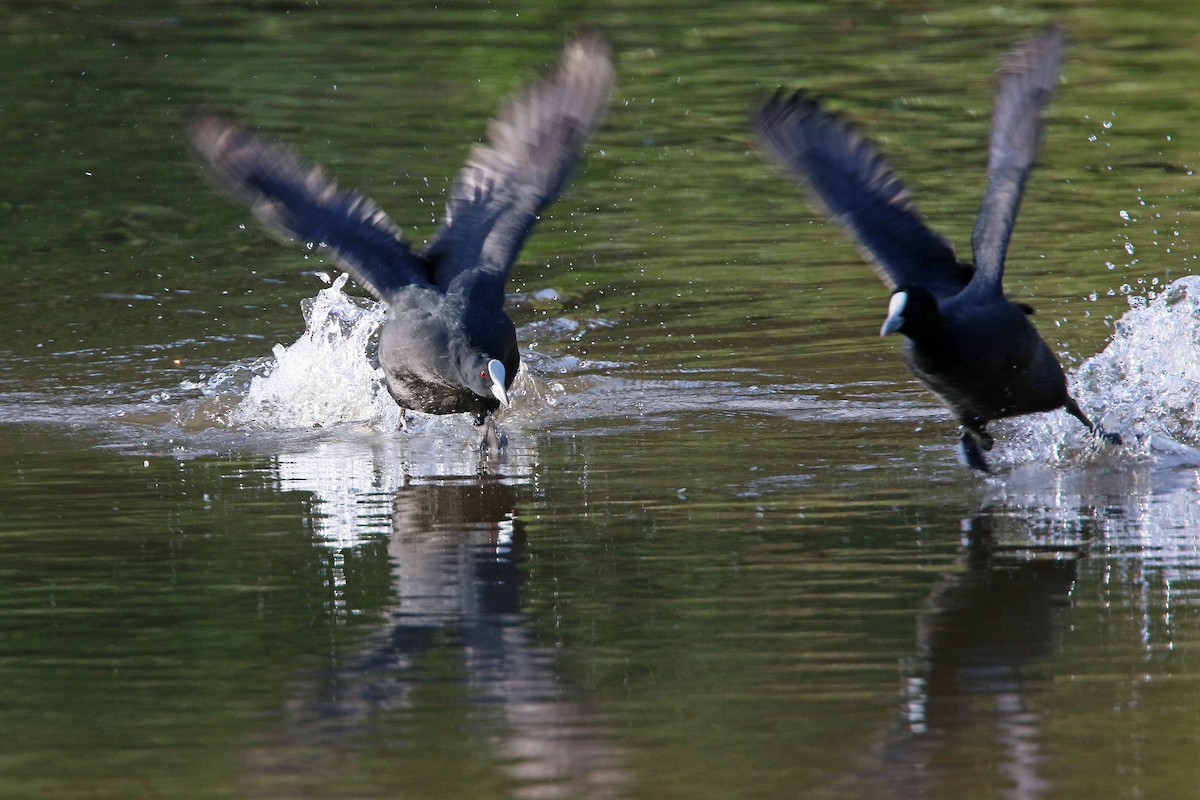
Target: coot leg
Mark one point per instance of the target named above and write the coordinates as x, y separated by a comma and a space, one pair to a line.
977, 428
493, 440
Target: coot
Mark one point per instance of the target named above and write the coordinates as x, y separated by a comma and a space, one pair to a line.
447, 345
969, 344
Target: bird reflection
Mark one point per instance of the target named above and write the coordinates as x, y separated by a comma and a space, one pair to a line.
454, 620
986, 625
470, 584
979, 641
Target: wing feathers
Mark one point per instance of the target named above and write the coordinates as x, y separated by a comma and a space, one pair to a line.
300, 203
533, 145
850, 180
1027, 79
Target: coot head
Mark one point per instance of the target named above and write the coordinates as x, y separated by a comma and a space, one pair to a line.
913, 311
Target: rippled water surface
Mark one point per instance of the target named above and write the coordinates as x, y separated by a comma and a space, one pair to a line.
727, 550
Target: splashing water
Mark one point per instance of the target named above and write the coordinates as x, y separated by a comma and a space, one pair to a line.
1145, 385
329, 376
325, 377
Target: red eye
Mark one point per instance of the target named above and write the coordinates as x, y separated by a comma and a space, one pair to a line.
483, 374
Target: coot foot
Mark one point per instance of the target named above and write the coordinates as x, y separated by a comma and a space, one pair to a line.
1108, 438
975, 427
969, 452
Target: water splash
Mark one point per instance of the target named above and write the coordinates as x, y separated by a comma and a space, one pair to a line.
326, 377
329, 376
1144, 385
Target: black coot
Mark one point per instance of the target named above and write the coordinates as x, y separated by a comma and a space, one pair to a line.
974, 348
447, 345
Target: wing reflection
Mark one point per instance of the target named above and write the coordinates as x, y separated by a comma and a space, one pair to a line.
451, 647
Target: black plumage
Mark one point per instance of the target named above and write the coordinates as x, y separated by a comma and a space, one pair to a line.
969, 344
447, 345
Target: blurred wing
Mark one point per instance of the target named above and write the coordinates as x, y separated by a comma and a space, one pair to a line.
533, 145
1027, 78
850, 180
299, 203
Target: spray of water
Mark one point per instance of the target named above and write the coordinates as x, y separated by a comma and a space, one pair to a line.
1144, 385
326, 377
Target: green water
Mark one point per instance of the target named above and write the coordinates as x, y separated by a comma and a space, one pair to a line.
727, 553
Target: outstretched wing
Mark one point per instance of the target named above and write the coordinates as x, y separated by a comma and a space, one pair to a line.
533, 145
1027, 79
299, 203
851, 181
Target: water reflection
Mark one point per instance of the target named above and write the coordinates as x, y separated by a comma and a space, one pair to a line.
965, 694
973, 695
452, 619
1141, 523
979, 642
